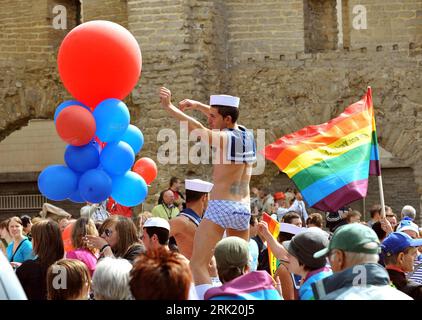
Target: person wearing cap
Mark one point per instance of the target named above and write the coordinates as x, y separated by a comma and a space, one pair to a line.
156, 233
353, 253
290, 283
280, 204
235, 152
232, 258
184, 226
409, 227
399, 251
301, 249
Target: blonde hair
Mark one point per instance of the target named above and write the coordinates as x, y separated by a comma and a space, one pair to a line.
82, 227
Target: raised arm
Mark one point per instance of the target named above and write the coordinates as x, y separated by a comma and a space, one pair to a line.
278, 250
213, 137
189, 104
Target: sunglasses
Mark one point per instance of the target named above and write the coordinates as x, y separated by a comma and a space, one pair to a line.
108, 232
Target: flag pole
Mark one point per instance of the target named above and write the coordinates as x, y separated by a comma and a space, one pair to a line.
381, 197
369, 91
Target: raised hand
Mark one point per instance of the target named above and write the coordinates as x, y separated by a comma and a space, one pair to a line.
165, 97
187, 104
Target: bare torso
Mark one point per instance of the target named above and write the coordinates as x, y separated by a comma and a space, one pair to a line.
183, 230
231, 180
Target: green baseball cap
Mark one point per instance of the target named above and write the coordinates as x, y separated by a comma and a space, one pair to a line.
352, 237
231, 252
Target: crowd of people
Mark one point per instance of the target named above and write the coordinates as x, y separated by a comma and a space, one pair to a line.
332, 255
212, 242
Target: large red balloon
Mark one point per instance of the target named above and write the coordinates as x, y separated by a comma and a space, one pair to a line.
76, 125
146, 168
99, 60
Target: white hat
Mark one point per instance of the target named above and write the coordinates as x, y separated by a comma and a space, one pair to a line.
290, 228
224, 100
198, 185
407, 225
157, 222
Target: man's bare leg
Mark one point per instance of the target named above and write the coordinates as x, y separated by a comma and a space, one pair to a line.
244, 234
206, 237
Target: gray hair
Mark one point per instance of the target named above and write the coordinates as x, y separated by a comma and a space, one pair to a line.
111, 279
409, 211
355, 258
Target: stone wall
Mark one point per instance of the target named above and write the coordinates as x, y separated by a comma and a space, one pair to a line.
254, 49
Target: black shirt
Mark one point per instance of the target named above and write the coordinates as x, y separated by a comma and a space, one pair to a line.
33, 277
409, 287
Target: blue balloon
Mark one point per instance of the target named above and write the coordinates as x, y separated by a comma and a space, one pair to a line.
134, 137
76, 197
67, 104
112, 119
57, 182
117, 158
81, 159
129, 189
95, 186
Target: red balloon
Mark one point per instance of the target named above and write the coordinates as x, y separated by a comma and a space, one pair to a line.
98, 60
146, 168
76, 125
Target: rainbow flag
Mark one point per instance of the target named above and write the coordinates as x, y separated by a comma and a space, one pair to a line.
274, 228
330, 163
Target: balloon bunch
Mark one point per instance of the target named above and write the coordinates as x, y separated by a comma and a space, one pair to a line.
99, 63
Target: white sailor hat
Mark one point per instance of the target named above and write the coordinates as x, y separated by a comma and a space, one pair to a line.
224, 100
198, 185
291, 228
157, 222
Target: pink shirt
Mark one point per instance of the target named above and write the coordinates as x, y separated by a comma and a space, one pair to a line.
85, 256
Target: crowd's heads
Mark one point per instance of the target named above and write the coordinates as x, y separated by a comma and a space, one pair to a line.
168, 197
4, 231
292, 217
160, 275
350, 245
377, 227
140, 220
111, 279
408, 211
47, 242
81, 228
156, 233
175, 183
26, 223
68, 279
315, 220
353, 216
399, 249
120, 233
253, 226
301, 249
409, 227
232, 257
15, 227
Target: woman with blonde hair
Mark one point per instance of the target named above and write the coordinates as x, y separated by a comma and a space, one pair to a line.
88, 255
20, 249
139, 222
